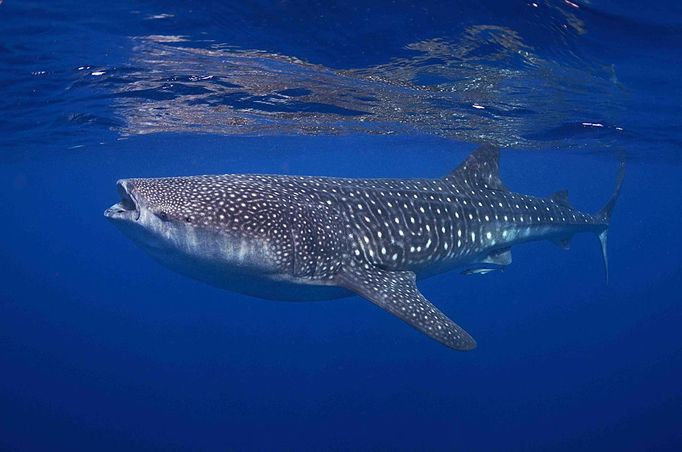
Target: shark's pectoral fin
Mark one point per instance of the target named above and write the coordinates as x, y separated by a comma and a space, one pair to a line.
397, 293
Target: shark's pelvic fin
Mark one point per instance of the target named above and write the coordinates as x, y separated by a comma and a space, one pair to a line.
496, 260
604, 216
397, 293
481, 169
501, 257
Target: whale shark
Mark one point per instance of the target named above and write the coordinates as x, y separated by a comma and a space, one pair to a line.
306, 238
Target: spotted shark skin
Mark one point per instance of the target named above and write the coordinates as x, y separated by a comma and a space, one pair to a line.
310, 238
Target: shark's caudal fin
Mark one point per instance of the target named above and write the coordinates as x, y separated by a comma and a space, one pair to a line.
604, 216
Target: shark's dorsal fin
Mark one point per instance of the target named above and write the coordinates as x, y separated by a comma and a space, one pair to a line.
397, 293
480, 169
561, 198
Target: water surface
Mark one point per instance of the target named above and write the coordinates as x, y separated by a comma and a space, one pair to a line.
104, 349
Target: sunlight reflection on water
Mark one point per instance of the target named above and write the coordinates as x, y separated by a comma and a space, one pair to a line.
487, 86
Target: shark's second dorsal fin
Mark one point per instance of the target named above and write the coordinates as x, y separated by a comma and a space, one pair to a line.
480, 169
561, 198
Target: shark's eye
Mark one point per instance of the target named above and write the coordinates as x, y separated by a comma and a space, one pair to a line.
162, 215
188, 219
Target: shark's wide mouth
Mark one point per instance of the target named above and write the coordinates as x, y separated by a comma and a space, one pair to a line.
126, 208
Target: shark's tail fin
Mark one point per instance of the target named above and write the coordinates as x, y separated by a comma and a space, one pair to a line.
604, 216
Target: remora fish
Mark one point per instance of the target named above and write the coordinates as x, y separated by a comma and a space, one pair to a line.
312, 238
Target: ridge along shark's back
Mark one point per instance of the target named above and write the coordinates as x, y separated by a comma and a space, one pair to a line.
293, 237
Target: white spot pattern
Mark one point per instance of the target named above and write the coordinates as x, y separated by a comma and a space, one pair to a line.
319, 227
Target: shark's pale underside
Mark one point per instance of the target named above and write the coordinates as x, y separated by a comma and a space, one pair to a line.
312, 238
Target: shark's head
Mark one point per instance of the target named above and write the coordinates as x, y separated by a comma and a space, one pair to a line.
140, 217
189, 225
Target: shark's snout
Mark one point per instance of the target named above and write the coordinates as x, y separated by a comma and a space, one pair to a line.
127, 208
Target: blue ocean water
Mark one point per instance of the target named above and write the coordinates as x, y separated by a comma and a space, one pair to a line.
103, 349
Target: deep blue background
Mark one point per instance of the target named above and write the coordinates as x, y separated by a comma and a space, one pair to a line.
103, 349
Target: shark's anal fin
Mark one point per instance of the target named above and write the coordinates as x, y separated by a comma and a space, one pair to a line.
397, 293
